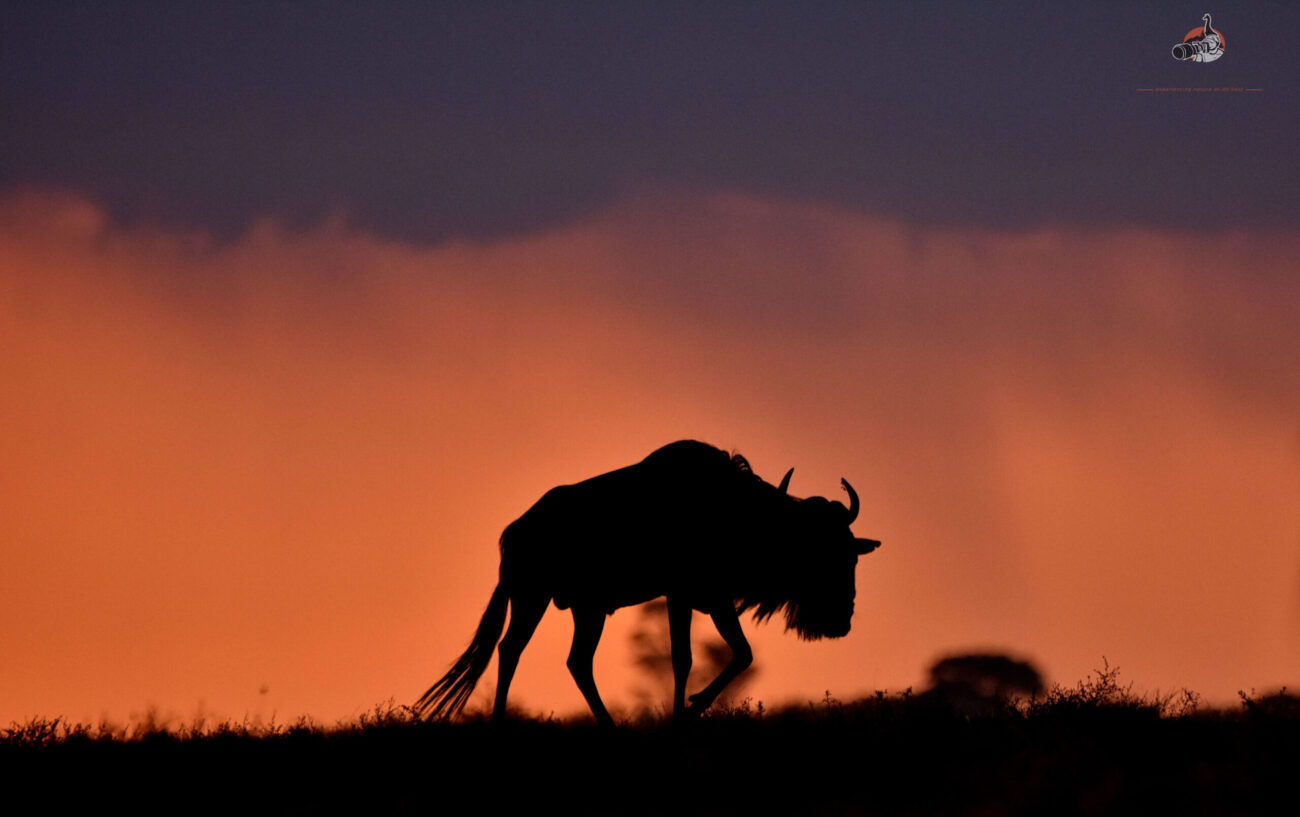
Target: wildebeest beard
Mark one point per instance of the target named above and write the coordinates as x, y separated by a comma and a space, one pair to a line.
791, 576
815, 598
810, 620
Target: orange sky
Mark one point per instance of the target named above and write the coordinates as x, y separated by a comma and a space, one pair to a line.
284, 461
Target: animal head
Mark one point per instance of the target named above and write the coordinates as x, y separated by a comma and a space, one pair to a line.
814, 583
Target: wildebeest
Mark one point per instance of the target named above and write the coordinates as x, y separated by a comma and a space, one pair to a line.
690, 523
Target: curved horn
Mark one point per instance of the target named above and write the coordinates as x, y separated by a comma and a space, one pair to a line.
853, 500
784, 487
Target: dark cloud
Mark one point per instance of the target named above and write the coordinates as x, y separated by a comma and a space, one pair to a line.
433, 121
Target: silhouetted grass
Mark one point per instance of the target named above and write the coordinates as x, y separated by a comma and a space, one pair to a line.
1095, 748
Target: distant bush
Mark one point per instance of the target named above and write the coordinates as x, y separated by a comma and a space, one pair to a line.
982, 684
1279, 704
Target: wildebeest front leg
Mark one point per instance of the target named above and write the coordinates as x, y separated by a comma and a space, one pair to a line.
679, 635
728, 624
587, 626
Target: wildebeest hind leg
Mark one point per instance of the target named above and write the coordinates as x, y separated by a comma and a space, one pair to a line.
587, 627
525, 613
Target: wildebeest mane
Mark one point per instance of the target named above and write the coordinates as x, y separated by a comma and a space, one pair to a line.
741, 463
774, 581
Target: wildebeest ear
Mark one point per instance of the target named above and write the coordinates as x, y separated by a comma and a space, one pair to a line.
865, 546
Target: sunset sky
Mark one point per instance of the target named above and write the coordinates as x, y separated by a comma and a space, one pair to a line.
301, 304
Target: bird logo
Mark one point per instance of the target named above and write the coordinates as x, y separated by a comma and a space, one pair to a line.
1202, 44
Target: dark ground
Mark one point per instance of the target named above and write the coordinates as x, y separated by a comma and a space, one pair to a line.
1095, 749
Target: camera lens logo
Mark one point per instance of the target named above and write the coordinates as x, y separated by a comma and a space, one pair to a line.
1204, 44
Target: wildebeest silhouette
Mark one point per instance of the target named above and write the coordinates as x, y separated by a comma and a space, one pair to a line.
690, 523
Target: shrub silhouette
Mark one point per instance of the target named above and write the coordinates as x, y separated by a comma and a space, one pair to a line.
982, 683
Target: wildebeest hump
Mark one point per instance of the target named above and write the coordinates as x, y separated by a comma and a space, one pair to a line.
629, 535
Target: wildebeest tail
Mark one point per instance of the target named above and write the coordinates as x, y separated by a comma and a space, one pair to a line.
447, 697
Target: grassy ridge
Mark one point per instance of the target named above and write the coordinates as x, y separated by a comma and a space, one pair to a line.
1093, 749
